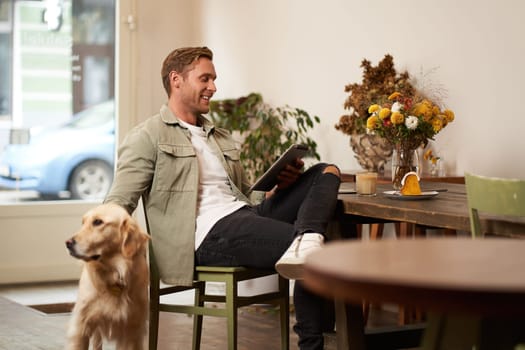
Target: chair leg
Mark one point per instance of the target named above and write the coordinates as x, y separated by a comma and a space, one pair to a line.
359, 230
404, 229
408, 315
403, 316
450, 232
420, 231
366, 311
153, 315
376, 231
200, 291
231, 306
284, 311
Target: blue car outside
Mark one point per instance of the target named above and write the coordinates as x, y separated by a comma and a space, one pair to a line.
73, 161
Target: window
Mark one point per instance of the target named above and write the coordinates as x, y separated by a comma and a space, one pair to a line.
60, 74
6, 59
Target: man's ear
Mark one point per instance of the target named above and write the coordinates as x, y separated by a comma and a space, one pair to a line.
175, 78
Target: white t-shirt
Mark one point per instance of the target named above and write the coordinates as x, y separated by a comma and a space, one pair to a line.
215, 198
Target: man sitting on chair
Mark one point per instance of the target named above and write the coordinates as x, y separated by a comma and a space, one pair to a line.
195, 195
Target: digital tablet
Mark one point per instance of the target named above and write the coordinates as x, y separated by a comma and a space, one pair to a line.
269, 179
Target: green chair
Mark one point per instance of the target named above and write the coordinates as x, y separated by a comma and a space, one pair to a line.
504, 198
231, 300
493, 196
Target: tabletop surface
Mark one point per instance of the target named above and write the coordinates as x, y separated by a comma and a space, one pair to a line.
448, 209
481, 275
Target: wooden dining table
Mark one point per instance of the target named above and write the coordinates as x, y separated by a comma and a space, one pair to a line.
473, 288
448, 209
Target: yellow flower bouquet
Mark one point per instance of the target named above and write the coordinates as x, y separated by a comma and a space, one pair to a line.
406, 122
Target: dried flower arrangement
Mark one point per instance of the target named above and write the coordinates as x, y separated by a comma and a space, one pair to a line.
378, 83
371, 151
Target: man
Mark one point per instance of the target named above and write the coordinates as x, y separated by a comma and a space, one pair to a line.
196, 195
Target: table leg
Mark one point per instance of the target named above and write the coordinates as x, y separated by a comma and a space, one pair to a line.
350, 326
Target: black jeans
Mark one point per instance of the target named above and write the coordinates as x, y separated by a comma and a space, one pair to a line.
258, 236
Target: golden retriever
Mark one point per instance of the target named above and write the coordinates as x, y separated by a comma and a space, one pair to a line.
112, 300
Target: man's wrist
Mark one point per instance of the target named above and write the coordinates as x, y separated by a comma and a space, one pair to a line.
272, 191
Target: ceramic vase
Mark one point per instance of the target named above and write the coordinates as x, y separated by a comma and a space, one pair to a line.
371, 151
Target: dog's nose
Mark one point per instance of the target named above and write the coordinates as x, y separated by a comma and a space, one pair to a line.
70, 243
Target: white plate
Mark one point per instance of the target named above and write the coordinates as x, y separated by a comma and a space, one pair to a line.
415, 197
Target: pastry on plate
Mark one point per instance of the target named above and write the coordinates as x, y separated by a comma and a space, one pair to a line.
410, 184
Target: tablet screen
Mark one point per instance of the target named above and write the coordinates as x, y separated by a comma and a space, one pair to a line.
269, 179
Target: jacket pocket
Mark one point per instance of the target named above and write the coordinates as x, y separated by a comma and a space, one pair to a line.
233, 159
232, 154
176, 169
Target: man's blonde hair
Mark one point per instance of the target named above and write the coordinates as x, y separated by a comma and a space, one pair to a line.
179, 59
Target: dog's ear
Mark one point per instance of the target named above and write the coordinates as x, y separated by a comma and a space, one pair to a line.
133, 238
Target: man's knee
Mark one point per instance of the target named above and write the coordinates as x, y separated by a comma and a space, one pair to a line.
332, 169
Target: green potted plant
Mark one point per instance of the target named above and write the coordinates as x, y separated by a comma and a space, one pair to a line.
263, 132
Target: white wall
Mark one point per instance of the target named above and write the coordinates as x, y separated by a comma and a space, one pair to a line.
162, 25
34, 235
304, 52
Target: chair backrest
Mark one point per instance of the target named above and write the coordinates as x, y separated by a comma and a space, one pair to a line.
493, 196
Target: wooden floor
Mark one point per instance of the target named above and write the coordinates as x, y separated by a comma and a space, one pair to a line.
35, 317
26, 328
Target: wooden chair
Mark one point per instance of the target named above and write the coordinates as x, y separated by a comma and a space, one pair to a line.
231, 300
493, 196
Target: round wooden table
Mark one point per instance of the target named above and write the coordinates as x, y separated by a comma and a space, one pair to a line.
476, 278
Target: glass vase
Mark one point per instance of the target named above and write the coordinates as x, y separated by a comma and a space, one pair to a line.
404, 160
434, 167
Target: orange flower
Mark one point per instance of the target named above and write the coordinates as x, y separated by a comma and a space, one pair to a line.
394, 95
374, 108
449, 115
420, 109
397, 118
428, 155
437, 124
372, 122
384, 113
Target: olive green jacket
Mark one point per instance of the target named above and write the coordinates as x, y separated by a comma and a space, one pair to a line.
158, 163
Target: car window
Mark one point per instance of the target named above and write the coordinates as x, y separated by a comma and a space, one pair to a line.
93, 117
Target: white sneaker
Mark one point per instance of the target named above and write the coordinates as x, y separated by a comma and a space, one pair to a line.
290, 265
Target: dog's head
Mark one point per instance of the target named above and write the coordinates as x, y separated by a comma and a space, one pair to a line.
107, 230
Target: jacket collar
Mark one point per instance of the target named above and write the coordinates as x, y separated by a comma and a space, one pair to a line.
168, 117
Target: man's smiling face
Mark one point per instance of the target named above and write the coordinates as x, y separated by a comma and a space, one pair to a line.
197, 86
